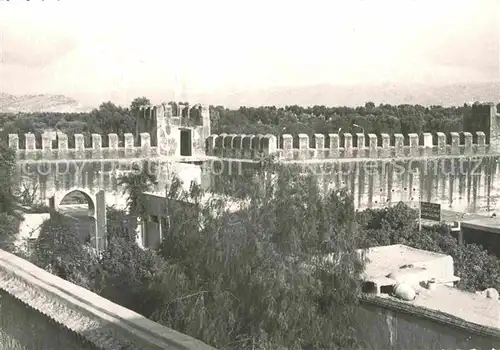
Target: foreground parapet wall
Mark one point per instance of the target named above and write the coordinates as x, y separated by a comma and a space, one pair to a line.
91, 318
45, 146
334, 146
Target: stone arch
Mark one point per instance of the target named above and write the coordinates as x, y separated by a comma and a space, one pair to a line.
89, 198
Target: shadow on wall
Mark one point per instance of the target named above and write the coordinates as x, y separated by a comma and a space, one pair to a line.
382, 328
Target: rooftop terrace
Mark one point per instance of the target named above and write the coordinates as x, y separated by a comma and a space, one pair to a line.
390, 265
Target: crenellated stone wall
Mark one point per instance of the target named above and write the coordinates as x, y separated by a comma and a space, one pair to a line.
42, 147
460, 171
480, 136
158, 134
457, 170
55, 166
338, 146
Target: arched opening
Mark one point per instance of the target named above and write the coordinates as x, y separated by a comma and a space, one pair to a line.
80, 207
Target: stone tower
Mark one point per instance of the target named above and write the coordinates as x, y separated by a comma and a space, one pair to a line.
176, 129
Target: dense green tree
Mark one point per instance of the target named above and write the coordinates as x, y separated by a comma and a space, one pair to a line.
135, 184
8, 199
60, 250
137, 103
109, 118
250, 279
120, 224
9, 202
125, 273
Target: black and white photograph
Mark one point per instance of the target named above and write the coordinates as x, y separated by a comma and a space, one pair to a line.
249, 175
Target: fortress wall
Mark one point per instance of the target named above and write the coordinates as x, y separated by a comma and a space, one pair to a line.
61, 149
334, 146
45, 179
465, 184
480, 135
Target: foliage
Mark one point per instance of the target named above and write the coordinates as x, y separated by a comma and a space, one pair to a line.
8, 200
120, 224
135, 184
9, 217
476, 268
137, 103
59, 250
9, 226
125, 272
244, 280
321, 119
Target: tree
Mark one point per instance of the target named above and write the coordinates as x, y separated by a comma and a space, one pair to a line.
9, 202
476, 268
250, 279
120, 224
137, 103
110, 118
59, 250
135, 184
126, 272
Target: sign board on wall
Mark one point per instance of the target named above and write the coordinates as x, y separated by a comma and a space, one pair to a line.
430, 211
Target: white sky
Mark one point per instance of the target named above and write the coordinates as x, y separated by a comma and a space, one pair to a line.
98, 50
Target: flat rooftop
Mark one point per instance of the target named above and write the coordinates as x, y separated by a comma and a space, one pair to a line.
470, 307
385, 259
444, 299
487, 224
449, 215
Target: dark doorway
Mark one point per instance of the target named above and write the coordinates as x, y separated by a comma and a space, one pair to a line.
186, 143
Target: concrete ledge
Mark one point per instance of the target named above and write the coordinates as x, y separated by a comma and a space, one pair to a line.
99, 320
437, 316
487, 224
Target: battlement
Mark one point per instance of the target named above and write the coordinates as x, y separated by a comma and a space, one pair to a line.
333, 146
45, 146
163, 121
177, 114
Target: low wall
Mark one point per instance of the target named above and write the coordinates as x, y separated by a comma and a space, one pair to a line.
384, 324
22, 327
55, 314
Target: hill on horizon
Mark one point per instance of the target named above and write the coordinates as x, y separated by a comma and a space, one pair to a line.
40, 103
324, 94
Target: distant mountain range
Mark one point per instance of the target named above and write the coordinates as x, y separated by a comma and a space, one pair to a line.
329, 95
357, 95
40, 103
